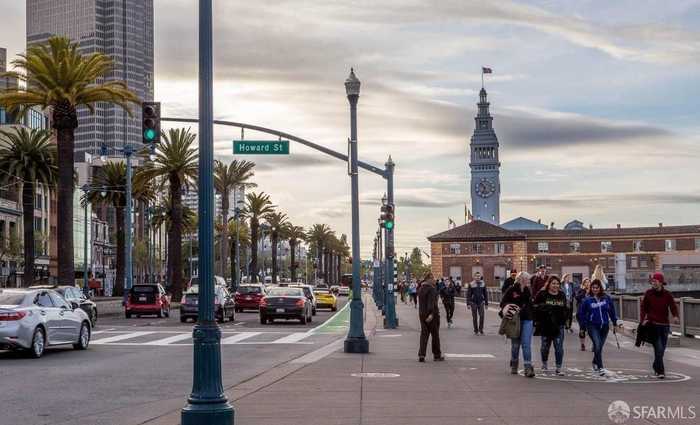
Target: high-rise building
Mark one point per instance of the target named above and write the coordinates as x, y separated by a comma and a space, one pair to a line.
121, 29
485, 166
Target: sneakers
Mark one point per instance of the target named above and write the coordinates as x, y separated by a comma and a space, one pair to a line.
544, 367
583, 347
421, 359
661, 376
439, 359
481, 332
449, 325
603, 372
595, 369
529, 371
559, 372
514, 367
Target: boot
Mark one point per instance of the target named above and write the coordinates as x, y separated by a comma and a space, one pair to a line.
529, 371
514, 367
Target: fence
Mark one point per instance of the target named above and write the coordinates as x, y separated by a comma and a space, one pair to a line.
627, 308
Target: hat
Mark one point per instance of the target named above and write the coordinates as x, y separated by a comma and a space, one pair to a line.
541, 266
513, 271
658, 276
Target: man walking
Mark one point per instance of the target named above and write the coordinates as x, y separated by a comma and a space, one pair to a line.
539, 280
510, 281
429, 316
654, 310
448, 300
477, 301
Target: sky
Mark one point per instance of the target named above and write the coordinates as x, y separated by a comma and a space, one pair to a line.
594, 103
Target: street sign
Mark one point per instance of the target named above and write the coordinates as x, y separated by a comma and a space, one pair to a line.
261, 147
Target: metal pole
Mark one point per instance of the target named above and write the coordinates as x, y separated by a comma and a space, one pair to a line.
390, 254
128, 283
237, 278
356, 342
86, 288
207, 404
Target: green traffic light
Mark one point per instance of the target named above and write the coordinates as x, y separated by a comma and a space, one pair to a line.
389, 225
149, 134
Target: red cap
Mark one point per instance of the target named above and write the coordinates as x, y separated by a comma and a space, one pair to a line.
658, 276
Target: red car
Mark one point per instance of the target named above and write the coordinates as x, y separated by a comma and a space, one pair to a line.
147, 299
249, 296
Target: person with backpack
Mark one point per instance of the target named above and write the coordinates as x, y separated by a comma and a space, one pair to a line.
596, 313
551, 313
581, 294
654, 311
477, 301
518, 295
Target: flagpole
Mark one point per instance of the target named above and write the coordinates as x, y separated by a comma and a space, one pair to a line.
482, 77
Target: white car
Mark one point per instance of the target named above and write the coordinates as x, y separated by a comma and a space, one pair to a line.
344, 291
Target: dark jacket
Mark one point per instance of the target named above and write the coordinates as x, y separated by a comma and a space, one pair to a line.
537, 283
428, 301
477, 293
520, 297
551, 313
656, 305
507, 284
448, 292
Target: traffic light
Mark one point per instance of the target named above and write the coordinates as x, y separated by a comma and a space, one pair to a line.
387, 216
150, 122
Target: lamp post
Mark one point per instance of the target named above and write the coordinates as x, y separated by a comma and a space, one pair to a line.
86, 288
356, 342
207, 404
391, 320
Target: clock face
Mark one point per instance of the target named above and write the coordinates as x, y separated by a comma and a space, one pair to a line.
485, 188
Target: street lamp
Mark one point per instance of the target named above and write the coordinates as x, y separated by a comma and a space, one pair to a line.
356, 342
86, 289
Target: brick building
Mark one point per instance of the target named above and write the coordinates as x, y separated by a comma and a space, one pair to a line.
627, 255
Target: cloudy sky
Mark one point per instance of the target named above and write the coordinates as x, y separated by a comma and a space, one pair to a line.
595, 102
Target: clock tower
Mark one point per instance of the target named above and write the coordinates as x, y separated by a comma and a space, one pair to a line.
485, 167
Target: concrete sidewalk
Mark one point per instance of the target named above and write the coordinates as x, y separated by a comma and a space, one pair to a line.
473, 386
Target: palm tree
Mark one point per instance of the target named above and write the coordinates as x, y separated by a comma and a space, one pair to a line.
176, 160
108, 188
243, 237
226, 179
257, 207
56, 75
296, 235
28, 157
277, 221
318, 235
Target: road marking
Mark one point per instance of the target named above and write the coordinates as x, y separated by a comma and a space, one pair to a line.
319, 354
238, 337
170, 339
291, 338
121, 337
97, 332
471, 356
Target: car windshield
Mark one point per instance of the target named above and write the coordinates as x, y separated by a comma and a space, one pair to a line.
11, 298
144, 289
285, 292
249, 290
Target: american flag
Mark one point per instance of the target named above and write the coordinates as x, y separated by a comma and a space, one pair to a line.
485, 70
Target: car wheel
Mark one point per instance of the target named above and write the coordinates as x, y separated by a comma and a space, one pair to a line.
38, 343
83, 338
302, 319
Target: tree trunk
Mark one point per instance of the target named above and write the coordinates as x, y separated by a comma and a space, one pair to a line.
319, 259
253, 250
64, 234
292, 257
232, 249
224, 235
275, 237
175, 242
120, 281
28, 217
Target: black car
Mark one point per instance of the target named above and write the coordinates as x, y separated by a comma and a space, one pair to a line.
75, 296
224, 304
285, 303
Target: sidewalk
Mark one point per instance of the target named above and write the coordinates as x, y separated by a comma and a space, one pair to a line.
472, 387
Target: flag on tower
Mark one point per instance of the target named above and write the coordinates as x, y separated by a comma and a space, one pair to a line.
486, 70
451, 223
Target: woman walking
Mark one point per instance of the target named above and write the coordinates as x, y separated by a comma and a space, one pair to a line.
567, 287
599, 274
581, 294
596, 313
551, 313
519, 295
413, 293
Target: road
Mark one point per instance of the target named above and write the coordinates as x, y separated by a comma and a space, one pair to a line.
134, 363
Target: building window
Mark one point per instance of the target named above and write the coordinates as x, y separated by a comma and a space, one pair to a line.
637, 246
606, 246
454, 248
575, 246
634, 262
643, 264
670, 244
477, 248
542, 247
500, 248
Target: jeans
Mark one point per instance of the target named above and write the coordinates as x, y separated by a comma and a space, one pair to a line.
478, 310
558, 347
524, 341
598, 334
660, 342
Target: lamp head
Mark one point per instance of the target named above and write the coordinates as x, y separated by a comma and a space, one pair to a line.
352, 84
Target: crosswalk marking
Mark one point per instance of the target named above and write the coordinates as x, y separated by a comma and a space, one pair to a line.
170, 339
121, 337
292, 338
238, 337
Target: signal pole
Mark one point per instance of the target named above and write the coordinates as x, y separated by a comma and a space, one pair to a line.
391, 321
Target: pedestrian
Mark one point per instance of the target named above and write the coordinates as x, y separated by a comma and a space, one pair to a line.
538, 280
599, 273
596, 313
581, 294
458, 287
655, 307
550, 319
519, 294
510, 281
400, 288
448, 300
413, 293
567, 287
429, 316
440, 285
477, 301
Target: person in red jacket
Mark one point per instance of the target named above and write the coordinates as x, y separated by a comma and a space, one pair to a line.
539, 280
654, 311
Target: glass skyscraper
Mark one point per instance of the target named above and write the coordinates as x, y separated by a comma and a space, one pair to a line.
121, 29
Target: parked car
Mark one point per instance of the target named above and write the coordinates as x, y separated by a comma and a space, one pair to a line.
145, 299
73, 294
309, 293
249, 296
224, 304
34, 319
285, 303
325, 299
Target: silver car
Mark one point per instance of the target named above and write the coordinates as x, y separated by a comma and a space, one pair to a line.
33, 319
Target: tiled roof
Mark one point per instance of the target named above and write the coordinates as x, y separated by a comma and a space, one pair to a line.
629, 231
476, 230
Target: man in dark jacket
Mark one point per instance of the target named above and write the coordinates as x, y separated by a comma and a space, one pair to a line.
509, 281
448, 294
429, 316
654, 311
477, 301
538, 280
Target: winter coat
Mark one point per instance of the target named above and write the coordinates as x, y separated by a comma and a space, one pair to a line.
655, 306
551, 313
520, 297
427, 301
448, 292
477, 293
597, 312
